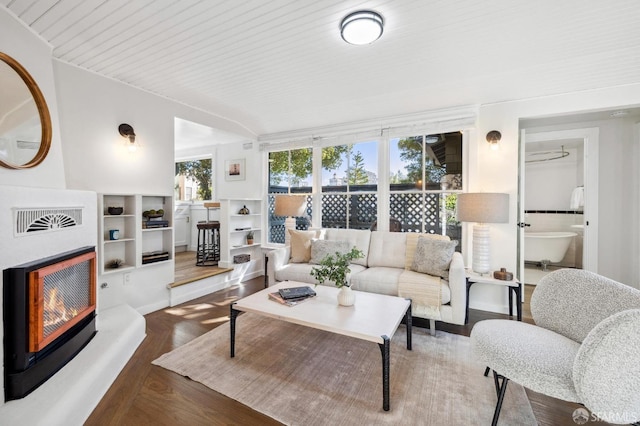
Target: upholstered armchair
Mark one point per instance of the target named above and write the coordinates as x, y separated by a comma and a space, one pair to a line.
584, 346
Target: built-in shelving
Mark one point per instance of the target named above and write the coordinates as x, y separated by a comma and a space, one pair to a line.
134, 239
234, 227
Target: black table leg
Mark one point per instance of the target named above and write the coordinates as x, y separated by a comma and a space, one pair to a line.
233, 314
518, 292
408, 321
466, 316
510, 301
385, 349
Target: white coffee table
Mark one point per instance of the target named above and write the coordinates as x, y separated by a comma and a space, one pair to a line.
374, 317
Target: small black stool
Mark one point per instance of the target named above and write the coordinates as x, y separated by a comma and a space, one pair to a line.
208, 253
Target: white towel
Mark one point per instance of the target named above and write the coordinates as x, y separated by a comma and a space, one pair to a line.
577, 198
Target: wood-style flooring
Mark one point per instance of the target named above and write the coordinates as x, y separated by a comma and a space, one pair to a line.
145, 394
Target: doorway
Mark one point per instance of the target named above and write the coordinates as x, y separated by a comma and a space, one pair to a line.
558, 201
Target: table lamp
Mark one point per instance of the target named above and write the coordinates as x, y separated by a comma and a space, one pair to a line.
482, 208
290, 206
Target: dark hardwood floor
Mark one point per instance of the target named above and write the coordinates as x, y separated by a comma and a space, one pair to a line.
144, 394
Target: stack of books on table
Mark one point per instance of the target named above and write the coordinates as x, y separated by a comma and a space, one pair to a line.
293, 295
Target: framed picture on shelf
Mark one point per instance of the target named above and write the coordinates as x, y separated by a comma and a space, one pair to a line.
234, 170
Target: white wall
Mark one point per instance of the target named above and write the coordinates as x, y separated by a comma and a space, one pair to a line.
498, 171
549, 184
35, 56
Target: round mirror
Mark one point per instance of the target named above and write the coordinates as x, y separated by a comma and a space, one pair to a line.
25, 124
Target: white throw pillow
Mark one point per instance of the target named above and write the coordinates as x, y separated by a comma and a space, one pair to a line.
321, 248
433, 256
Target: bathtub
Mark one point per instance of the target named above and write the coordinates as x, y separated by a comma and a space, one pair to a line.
546, 247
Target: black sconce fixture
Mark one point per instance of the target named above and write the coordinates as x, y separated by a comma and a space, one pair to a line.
493, 137
126, 131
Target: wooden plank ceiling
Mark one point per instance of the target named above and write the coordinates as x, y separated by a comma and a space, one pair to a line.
281, 65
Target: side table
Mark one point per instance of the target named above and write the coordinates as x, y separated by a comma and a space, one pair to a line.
513, 287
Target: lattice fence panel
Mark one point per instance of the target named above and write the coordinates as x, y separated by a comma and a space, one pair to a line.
410, 208
334, 211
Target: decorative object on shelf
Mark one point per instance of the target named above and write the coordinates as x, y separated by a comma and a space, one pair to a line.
250, 237
290, 206
243, 210
115, 210
483, 208
115, 263
234, 170
502, 274
241, 258
154, 256
114, 234
153, 214
335, 267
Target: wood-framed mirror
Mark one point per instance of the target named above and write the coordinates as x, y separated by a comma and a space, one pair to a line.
25, 123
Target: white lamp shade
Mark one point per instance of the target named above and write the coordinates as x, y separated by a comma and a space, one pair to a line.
290, 205
483, 207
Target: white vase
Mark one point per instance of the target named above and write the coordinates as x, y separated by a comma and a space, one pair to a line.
346, 296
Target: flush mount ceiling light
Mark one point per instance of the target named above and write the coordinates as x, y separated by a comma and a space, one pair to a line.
362, 27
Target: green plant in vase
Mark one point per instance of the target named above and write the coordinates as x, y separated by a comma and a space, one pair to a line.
335, 267
250, 237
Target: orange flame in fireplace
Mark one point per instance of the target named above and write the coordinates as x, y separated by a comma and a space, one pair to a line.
55, 311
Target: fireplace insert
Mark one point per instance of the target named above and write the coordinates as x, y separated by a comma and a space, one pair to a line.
49, 316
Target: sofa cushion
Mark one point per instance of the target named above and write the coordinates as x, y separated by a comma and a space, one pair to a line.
387, 249
382, 280
412, 243
301, 245
355, 237
322, 248
302, 272
433, 256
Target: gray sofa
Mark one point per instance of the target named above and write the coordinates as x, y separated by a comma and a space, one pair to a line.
387, 262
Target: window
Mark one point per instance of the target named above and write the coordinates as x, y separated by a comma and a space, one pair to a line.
289, 173
419, 186
423, 169
193, 180
350, 185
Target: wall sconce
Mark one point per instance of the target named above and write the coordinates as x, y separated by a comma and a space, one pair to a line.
126, 131
493, 137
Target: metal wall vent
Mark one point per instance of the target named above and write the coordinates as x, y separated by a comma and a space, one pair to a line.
42, 219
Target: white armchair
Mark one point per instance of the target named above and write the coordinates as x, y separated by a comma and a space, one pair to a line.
583, 348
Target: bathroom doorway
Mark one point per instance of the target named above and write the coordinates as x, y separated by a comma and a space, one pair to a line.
558, 201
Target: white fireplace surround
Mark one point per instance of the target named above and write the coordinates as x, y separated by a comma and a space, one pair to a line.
72, 393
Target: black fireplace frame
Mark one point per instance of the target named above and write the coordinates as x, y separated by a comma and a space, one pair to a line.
24, 371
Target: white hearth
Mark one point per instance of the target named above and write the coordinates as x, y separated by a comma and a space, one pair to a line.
72, 393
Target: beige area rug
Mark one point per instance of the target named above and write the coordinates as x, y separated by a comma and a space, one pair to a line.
302, 376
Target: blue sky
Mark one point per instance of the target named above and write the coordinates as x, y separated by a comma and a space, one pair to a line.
369, 151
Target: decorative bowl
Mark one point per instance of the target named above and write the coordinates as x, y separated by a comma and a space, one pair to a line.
115, 210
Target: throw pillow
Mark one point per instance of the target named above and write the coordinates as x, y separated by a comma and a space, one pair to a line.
301, 245
412, 243
321, 248
433, 256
